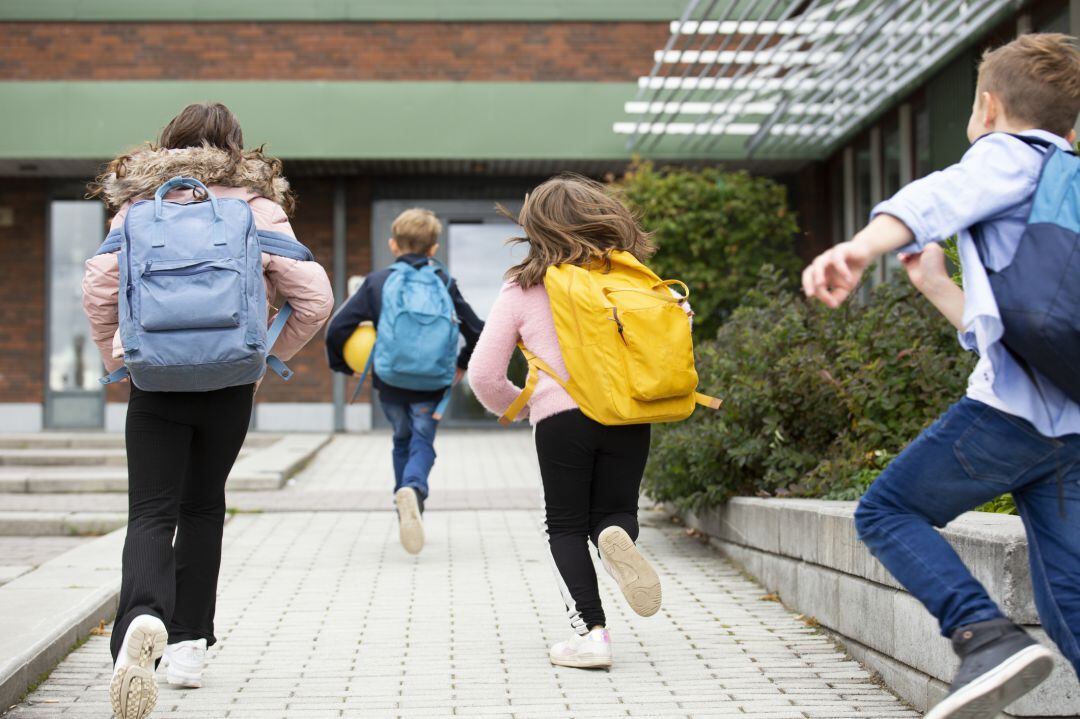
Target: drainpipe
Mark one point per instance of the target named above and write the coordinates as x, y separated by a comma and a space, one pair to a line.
339, 293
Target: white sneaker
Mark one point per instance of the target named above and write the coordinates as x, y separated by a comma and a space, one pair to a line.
588, 651
184, 663
133, 690
633, 573
410, 525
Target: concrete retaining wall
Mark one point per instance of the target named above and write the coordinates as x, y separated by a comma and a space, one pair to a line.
807, 551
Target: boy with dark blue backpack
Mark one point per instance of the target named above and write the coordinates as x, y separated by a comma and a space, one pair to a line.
1014, 202
419, 315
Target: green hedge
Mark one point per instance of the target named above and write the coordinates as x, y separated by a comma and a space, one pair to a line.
714, 230
816, 401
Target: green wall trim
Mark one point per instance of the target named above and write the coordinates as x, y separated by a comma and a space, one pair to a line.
333, 120
357, 10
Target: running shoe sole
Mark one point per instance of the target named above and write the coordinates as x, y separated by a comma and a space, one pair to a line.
988, 694
582, 662
133, 690
410, 526
635, 576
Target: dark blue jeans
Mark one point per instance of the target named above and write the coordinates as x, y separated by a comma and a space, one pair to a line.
970, 455
414, 443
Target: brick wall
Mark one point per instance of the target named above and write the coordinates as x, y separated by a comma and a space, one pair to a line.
569, 51
313, 223
22, 292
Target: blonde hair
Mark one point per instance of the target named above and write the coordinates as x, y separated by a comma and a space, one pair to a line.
1037, 78
574, 220
416, 230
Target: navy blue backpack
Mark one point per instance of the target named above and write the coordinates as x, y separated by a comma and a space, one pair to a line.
1038, 293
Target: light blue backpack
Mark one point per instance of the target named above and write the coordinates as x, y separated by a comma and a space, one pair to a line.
192, 299
416, 343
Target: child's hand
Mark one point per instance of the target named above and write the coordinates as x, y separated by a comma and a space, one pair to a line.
926, 269
835, 274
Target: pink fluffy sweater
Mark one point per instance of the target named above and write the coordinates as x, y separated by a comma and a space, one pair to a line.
523, 315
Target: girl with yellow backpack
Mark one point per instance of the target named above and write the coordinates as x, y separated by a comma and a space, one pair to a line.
609, 350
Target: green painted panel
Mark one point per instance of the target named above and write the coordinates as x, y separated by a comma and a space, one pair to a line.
463, 10
333, 120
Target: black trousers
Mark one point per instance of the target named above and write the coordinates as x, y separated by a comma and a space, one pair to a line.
181, 447
592, 478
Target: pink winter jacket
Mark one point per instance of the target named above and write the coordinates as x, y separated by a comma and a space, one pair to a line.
523, 315
303, 284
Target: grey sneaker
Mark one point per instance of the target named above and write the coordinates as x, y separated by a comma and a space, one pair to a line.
999, 664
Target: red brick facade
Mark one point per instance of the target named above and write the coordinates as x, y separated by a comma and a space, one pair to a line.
314, 226
562, 51
22, 286
22, 292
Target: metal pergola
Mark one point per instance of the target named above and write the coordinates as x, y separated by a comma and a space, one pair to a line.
793, 77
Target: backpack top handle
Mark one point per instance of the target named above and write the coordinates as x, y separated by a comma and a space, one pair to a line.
217, 227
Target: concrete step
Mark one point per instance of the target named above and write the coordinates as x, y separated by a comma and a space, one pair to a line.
64, 457
98, 440
261, 469
52, 524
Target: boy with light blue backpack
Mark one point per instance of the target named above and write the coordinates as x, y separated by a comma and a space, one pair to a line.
419, 315
1014, 202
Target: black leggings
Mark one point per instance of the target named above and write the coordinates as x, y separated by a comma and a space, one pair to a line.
592, 479
181, 447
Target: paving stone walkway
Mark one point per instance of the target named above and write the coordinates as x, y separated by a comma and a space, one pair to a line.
322, 614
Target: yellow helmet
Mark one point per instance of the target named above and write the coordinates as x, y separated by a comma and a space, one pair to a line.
358, 347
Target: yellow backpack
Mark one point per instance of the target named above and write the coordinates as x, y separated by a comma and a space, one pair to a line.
626, 341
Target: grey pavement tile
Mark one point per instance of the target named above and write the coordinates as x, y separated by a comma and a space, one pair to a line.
321, 613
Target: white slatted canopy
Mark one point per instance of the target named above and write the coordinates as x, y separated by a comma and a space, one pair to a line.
793, 78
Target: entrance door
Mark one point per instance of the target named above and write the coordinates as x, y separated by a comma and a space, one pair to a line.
473, 246
73, 397
479, 258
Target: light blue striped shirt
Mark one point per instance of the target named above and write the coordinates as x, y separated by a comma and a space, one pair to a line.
992, 186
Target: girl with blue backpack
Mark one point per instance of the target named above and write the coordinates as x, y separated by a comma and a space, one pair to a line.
173, 302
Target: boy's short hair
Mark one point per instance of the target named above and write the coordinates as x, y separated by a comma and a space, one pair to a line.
1037, 79
416, 230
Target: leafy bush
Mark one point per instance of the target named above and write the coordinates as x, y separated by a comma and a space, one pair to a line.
816, 401
714, 230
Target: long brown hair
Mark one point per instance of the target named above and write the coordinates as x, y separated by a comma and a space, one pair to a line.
205, 123
574, 220
202, 124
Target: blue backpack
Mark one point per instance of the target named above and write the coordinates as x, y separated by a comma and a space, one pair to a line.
416, 343
192, 299
1038, 294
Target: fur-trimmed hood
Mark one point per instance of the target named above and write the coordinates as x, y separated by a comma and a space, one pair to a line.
139, 173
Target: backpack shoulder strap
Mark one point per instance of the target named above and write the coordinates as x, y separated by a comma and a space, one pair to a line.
1038, 142
113, 241
278, 243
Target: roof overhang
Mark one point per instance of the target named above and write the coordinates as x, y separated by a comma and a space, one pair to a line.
792, 78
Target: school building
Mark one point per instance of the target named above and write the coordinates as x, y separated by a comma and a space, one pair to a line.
454, 105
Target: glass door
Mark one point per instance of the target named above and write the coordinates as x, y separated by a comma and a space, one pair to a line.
73, 397
478, 259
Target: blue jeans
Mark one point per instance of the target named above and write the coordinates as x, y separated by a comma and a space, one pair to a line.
414, 443
970, 455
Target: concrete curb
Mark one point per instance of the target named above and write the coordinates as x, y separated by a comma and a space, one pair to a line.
46, 612
272, 467
807, 551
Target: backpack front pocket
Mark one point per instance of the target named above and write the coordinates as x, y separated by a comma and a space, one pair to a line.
190, 294
657, 349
